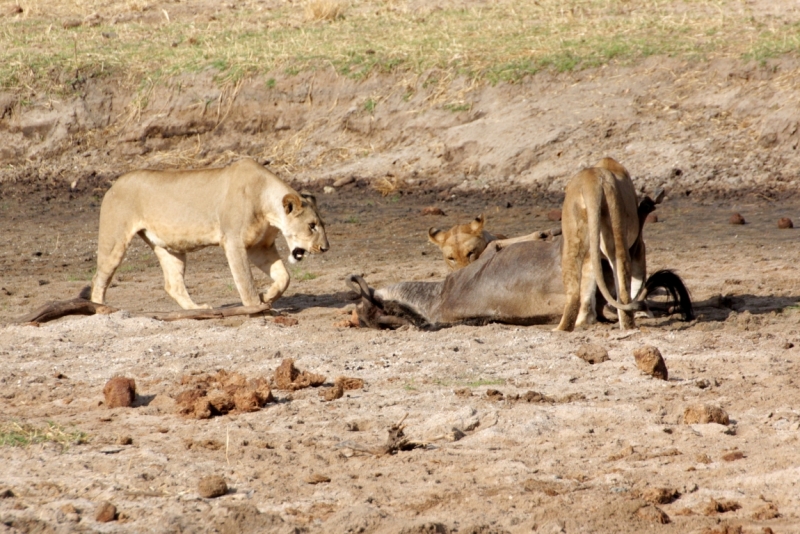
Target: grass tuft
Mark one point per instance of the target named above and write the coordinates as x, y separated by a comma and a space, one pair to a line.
326, 10
17, 434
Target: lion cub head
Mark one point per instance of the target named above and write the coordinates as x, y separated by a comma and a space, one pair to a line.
304, 231
462, 244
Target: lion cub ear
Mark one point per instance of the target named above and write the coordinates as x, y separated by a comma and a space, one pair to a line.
436, 236
292, 204
477, 225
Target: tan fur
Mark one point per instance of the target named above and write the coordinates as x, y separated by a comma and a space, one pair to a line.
462, 244
241, 208
600, 220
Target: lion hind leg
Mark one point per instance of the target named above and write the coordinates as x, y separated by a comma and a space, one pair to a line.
268, 260
588, 288
572, 262
174, 267
111, 251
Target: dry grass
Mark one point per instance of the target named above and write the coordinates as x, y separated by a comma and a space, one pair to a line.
16, 434
54, 46
324, 10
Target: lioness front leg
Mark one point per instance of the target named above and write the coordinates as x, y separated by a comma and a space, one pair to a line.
268, 260
242, 276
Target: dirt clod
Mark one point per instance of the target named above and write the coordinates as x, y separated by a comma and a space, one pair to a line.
6, 493
494, 395
705, 413
554, 215
124, 440
784, 223
736, 218
212, 486
283, 320
768, 511
592, 353
660, 495
713, 507
462, 392
349, 384
288, 377
433, 210
650, 361
332, 393
653, 514
652, 218
119, 392
316, 478
221, 393
105, 512
733, 456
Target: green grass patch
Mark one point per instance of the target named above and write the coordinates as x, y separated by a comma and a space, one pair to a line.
19, 434
302, 275
485, 382
498, 41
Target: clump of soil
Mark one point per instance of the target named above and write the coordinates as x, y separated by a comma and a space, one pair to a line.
660, 495
288, 377
340, 385
736, 218
592, 353
212, 486
105, 512
650, 361
784, 223
705, 413
714, 507
212, 395
119, 392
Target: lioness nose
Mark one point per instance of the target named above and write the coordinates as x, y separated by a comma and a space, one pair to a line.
324, 248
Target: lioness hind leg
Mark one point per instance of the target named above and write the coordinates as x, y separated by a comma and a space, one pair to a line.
174, 267
572, 267
110, 253
268, 260
588, 287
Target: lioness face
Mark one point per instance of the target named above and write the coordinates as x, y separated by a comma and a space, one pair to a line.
460, 245
305, 231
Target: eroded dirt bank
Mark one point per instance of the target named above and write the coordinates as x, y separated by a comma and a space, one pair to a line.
718, 129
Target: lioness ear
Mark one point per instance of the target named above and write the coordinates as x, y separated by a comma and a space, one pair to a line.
436, 236
477, 225
311, 199
292, 204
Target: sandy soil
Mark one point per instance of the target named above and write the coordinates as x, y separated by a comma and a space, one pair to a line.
607, 450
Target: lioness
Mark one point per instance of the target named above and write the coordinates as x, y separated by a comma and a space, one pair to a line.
241, 208
462, 244
600, 220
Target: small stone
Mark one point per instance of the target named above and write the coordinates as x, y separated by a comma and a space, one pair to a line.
212, 486
105, 512
652, 218
6, 494
124, 440
328, 190
119, 392
785, 223
592, 353
650, 361
332, 393
736, 218
704, 414
554, 215
788, 345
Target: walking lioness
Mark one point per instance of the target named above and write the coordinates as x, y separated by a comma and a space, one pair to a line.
599, 217
241, 208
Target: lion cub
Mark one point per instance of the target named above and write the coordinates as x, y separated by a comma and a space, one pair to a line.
600, 221
241, 207
462, 244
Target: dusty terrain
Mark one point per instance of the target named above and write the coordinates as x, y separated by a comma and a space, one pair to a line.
593, 456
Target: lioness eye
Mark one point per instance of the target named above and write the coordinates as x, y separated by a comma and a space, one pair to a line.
312, 226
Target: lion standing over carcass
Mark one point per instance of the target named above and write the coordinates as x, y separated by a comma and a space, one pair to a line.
241, 208
600, 221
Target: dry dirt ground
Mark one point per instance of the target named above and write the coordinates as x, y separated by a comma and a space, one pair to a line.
608, 452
